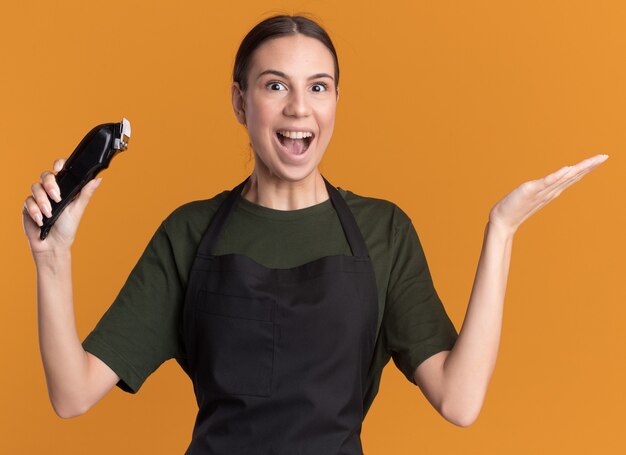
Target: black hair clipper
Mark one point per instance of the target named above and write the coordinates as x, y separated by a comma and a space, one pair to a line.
93, 154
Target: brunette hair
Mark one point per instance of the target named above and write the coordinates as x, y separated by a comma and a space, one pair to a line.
276, 27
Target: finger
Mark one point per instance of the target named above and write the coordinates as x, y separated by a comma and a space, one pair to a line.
565, 178
559, 181
555, 177
567, 173
570, 180
591, 162
49, 183
31, 208
557, 190
58, 164
559, 176
596, 159
81, 201
41, 197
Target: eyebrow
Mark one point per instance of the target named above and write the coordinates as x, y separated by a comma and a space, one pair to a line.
281, 74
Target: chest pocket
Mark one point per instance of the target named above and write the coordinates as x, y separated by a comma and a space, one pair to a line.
235, 340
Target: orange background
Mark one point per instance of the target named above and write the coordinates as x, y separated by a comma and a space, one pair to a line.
445, 107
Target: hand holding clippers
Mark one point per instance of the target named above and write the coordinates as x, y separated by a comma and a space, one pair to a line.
92, 155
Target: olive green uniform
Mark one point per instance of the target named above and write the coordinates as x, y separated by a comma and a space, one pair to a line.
142, 328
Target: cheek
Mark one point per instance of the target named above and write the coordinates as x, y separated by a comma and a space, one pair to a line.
260, 116
327, 120
254, 123
259, 132
328, 109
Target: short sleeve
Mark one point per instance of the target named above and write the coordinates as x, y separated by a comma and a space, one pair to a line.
140, 330
416, 324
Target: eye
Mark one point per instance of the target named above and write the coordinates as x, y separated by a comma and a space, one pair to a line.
319, 87
275, 86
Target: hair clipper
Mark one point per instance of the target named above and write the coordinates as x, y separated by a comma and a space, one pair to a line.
92, 155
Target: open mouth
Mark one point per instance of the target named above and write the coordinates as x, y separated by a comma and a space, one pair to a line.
295, 142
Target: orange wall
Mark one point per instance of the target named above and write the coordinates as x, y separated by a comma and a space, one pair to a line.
445, 107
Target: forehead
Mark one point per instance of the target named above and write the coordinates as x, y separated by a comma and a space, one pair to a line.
296, 55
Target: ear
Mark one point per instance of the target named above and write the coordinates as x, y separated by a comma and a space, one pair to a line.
238, 103
337, 94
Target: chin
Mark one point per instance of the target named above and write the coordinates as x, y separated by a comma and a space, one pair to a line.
287, 172
293, 174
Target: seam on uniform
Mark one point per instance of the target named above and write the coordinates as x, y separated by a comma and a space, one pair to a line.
141, 378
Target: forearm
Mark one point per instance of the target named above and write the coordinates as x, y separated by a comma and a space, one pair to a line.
64, 359
470, 364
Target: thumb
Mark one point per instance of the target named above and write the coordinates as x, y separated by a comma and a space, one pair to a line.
85, 195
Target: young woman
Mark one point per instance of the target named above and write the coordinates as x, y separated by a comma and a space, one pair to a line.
283, 298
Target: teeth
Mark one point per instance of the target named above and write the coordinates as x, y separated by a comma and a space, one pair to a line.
295, 134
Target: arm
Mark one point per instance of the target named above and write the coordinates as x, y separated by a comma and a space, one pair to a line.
456, 381
75, 378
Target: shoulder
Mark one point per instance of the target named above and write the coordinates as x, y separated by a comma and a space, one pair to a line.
369, 210
192, 218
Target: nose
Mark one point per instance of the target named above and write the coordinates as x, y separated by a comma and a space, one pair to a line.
297, 104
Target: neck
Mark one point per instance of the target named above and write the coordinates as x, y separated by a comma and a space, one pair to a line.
269, 191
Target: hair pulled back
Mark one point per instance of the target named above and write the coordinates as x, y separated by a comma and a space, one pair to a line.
276, 27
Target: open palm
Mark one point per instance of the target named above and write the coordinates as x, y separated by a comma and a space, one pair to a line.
526, 199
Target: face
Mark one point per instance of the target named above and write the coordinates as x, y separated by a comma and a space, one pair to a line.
289, 105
